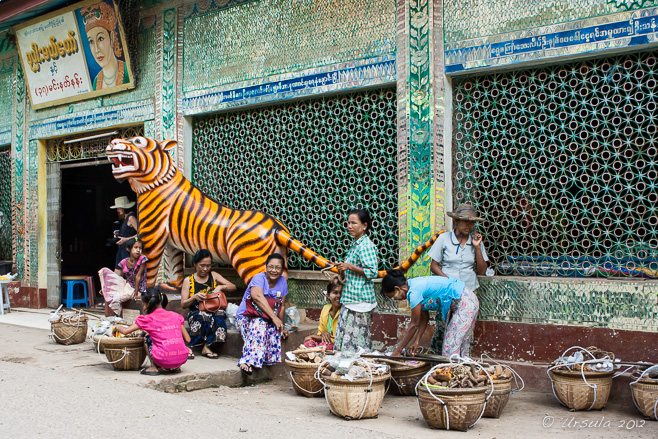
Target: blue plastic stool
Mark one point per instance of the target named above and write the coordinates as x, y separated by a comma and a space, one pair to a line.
69, 291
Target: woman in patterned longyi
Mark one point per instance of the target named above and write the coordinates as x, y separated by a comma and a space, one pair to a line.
358, 297
434, 293
206, 328
262, 335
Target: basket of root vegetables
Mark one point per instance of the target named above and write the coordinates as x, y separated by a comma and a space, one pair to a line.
303, 364
453, 396
501, 377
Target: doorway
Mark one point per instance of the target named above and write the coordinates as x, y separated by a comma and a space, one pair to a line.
87, 222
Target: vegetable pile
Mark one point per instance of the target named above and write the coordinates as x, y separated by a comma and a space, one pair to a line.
464, 376
307, 355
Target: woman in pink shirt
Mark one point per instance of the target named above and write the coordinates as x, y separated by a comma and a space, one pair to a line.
166, 335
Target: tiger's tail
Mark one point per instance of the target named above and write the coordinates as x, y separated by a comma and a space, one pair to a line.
406, 265
283, 238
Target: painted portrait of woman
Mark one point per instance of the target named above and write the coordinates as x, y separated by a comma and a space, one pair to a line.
101, 26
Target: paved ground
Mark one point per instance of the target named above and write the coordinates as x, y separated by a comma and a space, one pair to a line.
53, 391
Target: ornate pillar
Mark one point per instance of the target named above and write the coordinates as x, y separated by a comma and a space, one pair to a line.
421, 111
168, 103
18, 174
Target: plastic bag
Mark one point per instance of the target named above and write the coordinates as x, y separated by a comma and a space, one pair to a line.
356, 372
231, 311
291, 319
104, 327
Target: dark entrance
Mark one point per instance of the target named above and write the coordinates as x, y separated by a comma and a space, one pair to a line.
87, 221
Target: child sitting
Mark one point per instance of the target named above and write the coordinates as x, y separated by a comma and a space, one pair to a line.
328, 318
166, 335
127, 281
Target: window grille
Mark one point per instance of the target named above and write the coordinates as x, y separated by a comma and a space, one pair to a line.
307, 163
561, 161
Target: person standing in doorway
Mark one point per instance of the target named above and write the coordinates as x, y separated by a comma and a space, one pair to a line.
458, 254
129, 228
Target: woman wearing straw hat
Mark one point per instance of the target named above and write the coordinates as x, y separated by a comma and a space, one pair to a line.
129, 228
460, 255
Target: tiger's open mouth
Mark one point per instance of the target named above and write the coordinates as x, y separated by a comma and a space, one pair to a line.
122, 162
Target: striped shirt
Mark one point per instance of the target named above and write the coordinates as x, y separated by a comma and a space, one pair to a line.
359, 289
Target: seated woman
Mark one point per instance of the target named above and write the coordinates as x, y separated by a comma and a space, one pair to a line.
261, 327
328, 318
133, 270
435, 293
206, 328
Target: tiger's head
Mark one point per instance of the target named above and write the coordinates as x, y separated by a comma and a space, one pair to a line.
143, 161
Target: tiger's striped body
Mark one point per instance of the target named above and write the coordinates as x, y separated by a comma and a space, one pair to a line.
176, 217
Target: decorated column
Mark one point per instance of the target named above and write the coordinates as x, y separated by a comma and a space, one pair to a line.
421, 110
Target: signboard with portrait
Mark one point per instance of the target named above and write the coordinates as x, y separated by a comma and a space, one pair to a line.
74, 54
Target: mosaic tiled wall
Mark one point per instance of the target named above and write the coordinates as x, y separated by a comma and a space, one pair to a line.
307, 163
5, 203
599, 303
561, 161
267, 37
6, 98
466, 19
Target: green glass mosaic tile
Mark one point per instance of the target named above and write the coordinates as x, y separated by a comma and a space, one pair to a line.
466, 19
6, 97
308, 294
611, 304
269, 37
562, 161
5, 204
7, 43
307, 163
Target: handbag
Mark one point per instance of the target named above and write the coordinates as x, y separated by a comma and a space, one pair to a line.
253, 310
213, 302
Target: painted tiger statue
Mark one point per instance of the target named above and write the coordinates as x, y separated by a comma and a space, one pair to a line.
176, 217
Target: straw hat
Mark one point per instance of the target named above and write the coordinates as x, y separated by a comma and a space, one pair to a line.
465, 212
123, 203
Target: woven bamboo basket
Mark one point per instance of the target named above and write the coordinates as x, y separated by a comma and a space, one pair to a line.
573, 392
356, 399
405, 378
125, 353
645, 395
499, 398
71, 330
103, 339
95, 340
463, 407
302, 376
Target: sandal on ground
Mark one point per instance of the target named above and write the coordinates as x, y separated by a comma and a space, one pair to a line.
211, 355
148, 372
190, 356
245, 369
169, 371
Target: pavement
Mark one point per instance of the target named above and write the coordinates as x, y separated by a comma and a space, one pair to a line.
52, 391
